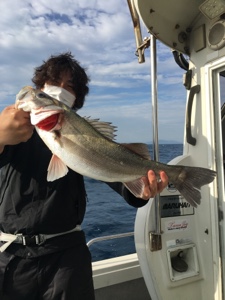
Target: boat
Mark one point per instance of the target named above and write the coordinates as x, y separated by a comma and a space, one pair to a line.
180, 250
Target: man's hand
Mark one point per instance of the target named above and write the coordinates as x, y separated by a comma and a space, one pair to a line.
15, 126
154, 186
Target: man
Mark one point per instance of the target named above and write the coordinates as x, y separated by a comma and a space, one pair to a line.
44, 253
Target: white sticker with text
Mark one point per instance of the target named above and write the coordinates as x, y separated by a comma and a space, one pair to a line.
176, 225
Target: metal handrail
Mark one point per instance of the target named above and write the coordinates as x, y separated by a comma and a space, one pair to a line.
109, 237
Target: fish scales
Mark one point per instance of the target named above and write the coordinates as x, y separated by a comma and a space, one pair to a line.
76, 143
94, 152
125, 164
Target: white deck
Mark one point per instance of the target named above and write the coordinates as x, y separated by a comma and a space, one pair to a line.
119, 278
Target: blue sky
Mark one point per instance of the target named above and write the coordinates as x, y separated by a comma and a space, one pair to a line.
100, 35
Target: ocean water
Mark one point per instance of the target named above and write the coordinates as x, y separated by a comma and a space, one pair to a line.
108, 213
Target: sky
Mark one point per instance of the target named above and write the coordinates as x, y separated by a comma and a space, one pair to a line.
100, 35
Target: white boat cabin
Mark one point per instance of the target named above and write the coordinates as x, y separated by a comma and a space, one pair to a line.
181, 249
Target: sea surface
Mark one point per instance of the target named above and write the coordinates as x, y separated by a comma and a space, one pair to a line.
108, 213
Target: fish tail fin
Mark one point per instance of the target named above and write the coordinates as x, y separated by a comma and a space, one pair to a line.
190, 180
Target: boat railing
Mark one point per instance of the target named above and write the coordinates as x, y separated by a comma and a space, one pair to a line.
109, 237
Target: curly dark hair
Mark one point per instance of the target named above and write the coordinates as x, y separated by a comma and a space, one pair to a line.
51, 69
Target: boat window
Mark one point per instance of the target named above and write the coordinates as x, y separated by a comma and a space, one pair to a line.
222, 87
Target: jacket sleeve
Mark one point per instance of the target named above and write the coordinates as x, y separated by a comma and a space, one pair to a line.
126, 194
6, 155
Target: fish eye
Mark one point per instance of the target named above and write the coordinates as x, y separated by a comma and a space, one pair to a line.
41, 95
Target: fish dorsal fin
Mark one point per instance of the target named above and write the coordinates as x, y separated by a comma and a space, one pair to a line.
105, 128
140, 149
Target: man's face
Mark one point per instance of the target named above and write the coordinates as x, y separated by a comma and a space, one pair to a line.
64, 81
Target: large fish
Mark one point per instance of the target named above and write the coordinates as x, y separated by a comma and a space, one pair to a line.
87, 147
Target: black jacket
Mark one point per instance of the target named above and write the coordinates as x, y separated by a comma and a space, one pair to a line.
30, 205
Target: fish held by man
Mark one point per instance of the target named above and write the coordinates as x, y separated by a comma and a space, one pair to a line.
87, 147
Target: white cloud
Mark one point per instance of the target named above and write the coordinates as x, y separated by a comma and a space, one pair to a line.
100, 35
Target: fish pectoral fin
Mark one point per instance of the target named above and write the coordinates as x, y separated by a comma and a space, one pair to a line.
136, 187
56, 168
